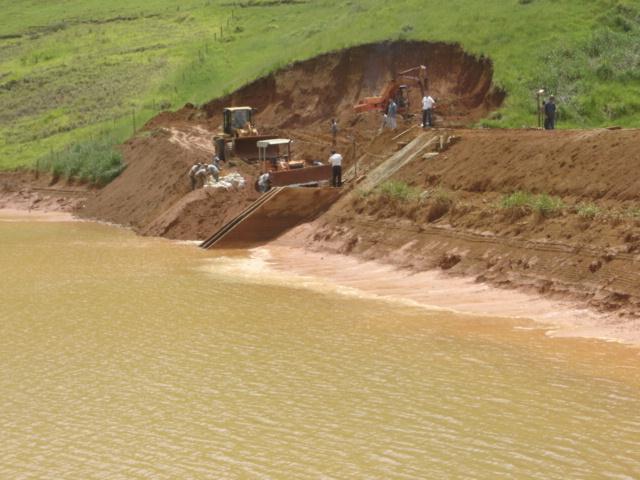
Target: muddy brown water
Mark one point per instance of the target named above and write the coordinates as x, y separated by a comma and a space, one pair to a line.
124, 357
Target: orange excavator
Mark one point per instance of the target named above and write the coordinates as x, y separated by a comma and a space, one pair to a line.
396, 89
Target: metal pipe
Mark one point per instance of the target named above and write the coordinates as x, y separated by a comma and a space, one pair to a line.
539, 95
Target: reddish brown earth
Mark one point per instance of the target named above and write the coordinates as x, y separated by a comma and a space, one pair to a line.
153, 196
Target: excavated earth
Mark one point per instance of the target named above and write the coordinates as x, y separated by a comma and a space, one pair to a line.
453, 221
153, 196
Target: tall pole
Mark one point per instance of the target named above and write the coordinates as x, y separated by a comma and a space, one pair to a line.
355, 158
539, 94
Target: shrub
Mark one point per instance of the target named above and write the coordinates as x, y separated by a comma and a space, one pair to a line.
398, 190
93, 161
634, 212
547, 205
516, 200
588, 210
521, 203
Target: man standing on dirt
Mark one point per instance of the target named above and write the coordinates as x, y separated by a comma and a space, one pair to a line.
550, 114
335, 160
427, 110
392, 111
214, 168
334, 131
193, 171
264, 182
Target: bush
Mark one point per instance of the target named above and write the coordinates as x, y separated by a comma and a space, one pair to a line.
588, 210
546, 205
634, 213
516, 200
521, 203
93, 161
398, 190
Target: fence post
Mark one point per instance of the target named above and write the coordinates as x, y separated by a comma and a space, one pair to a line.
355, 157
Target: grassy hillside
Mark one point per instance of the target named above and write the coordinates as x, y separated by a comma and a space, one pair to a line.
80, 70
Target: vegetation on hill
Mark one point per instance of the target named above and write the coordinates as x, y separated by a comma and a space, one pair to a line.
86, 70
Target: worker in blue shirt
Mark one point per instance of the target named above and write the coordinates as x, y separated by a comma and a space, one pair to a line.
550, 114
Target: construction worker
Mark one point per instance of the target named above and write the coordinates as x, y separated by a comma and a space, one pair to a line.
550, 114
334, 131
213, 169
193, 174
201, 174
264, 182
427, 110
335, 160
392, 111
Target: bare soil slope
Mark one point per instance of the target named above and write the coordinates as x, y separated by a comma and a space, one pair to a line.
587, 164
152, 195
460, 225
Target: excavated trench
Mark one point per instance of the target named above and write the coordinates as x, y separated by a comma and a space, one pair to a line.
330, 85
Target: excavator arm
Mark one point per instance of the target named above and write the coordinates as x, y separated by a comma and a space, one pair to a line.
380, 102
417, 75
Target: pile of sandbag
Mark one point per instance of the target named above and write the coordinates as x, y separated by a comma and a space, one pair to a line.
228, 182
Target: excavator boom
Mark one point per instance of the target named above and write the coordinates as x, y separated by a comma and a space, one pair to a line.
393, 90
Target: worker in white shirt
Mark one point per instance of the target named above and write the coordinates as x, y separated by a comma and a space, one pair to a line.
264, 182
427, 111
335, 160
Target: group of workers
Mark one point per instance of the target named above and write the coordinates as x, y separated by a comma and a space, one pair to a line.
390, 116
201, 172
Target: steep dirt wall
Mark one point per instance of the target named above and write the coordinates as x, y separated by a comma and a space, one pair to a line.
329, 85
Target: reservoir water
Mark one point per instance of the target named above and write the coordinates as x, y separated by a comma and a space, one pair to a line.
132, 358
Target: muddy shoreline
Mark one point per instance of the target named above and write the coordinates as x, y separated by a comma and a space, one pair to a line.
27, 191
560, 312
560, 315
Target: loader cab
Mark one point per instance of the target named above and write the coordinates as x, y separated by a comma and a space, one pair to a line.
275, 154
235, 118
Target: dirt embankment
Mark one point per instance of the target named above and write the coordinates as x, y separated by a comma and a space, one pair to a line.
584, 245
25, 190
153, 196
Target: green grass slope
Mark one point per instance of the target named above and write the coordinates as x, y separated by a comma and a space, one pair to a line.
83, 70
